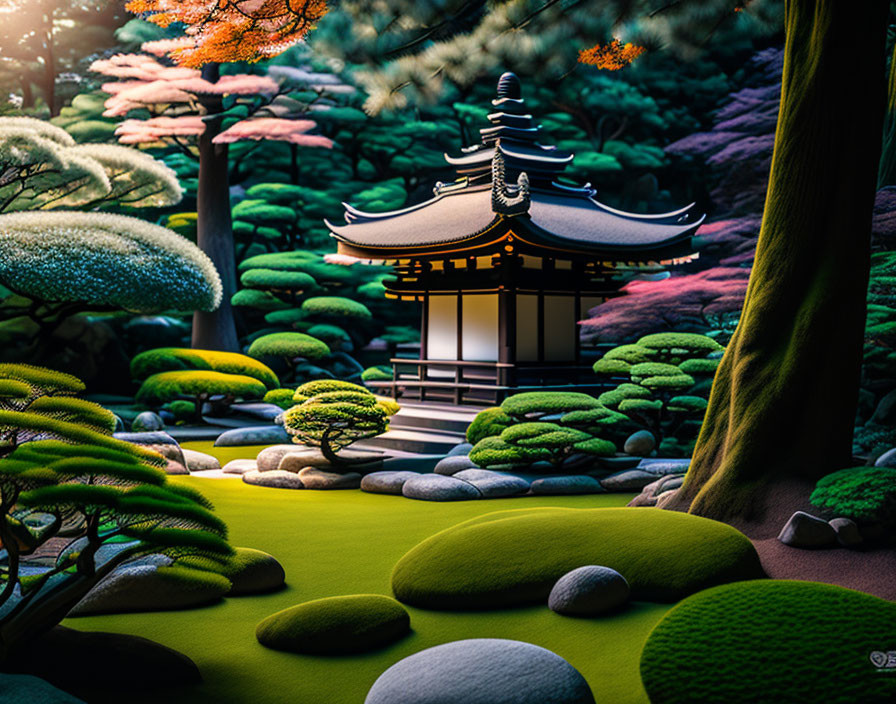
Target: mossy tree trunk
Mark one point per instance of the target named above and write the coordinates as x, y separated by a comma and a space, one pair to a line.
782, 406
215, 330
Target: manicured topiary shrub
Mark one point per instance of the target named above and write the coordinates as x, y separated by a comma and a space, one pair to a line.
83, 258
182, 410
772, 641
333, 420
198, 386
336, 625
381, 373
322, 386
537, 404
170, 359
668, 383
280, 397
867, 495
544, 441
488, 423
513, 433
336, 307
512, 558
289, 348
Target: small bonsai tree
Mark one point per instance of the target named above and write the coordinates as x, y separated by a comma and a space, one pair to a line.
61, 473
199, 387
541, 426
334, 414
664, 383
867, 495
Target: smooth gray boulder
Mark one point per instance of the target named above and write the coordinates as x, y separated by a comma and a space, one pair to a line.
664, 466
254, 435
803, 530
156, 441
848, 534
888, 459
452, 464
240, 466
436, 487
640, 444
562, 486
312, 457
275, 479
628, 480
591, 590
200, 461
386, 482
651, 493
314, 478
460, 449
147, 422
494, 485
269, 458
481, 671
261, 411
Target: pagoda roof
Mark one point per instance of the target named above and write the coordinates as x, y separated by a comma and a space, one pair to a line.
554, 217
549, 214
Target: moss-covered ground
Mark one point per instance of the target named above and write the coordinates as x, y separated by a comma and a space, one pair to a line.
347, 542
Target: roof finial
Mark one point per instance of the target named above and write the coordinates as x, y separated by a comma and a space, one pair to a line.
508, 200
509, 86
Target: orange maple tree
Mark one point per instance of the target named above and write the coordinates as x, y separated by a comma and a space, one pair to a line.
612, 56
219, 31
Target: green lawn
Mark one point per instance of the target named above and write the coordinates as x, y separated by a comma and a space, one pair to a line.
346, 542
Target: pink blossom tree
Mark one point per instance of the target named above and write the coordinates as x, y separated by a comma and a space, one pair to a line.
201, 112
710, 300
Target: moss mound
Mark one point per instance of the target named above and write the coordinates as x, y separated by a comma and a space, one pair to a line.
772, 641
511, 558
336, 625
248, 570
867, 495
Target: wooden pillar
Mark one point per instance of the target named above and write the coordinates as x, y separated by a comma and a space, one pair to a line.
506, 336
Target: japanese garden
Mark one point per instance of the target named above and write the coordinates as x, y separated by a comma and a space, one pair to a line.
507, 352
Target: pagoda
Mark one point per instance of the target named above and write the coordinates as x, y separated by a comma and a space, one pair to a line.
506, 260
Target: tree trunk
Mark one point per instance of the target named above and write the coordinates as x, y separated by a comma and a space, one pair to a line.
887, 174
215, 330
783, 403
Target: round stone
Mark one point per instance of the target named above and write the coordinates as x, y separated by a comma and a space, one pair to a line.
386, 482
888, 459
640, 444
561, 486
276, 479
481, 671
494, 485
239, 466
588, 591
200, 461
804, 530
452, 464
147, 422
314, 478
435, 487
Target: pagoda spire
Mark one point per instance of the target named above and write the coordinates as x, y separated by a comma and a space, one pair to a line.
516, 136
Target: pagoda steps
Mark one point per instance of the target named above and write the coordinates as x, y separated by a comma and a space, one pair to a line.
425, 428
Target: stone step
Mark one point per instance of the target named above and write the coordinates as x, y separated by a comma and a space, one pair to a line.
422, 441
446, 418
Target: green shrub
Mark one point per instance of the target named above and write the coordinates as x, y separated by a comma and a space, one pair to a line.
333, 420
336, 307
336, 625
493, 451
332, 336
488, 423
247, 570
182, 410
771, 641
662, 394
867, 495
278, 280
512, 558
381, 373
262, 300
535, 404
280, 397
165, 387
170, 359
289, 346
322, 386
